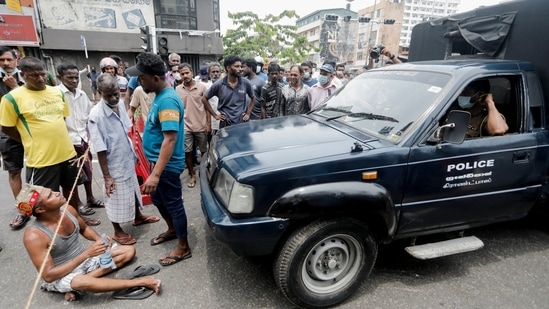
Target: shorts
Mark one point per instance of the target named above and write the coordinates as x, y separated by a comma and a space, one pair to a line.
62, 174
13, 154
200, 138
63, 285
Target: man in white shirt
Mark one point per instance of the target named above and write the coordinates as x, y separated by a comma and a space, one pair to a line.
79, 106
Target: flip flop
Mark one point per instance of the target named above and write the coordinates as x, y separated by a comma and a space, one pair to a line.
148, 219
96, 204
175, 259
19, 221
126, 240
92, 222
139, 292
162, 238
84, 210
191, 184
140, 271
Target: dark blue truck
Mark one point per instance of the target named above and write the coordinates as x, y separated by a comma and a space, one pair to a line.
382, 159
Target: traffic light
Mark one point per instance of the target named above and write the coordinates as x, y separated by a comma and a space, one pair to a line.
347, 18
363, 19
388, 21
162, 46
331, 17
147, 38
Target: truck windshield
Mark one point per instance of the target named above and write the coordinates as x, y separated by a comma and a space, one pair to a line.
385, 103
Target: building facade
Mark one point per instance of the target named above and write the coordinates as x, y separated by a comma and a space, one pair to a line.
332, 32
417, 11
189, 28
386, 22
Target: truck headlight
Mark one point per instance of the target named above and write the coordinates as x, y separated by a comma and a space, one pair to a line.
238, 197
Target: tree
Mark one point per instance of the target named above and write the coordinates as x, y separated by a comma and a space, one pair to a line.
266, 37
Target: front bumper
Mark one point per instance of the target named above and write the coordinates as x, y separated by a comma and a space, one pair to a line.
245, 237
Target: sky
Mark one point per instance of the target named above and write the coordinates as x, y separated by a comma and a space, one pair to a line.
305, 7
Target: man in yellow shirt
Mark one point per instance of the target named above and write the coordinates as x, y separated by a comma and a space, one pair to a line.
34, 114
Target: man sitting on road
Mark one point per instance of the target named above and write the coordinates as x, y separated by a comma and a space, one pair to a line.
70, 267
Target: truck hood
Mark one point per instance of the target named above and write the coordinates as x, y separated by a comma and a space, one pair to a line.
284, 142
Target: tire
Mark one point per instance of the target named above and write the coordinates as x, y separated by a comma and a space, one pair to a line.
323, 263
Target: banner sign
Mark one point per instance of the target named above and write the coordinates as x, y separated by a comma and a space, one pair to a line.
99, 15
18, 30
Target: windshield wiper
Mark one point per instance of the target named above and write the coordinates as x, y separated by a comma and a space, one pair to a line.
364, 116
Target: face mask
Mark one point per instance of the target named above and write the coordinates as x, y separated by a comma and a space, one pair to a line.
4, 73
111, 106
323, 79
283, 78
465, 102
177, 76
306, 75
257, 69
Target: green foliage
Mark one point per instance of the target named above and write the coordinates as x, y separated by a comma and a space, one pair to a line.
266, 37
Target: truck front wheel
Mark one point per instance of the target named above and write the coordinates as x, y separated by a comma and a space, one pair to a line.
323, 263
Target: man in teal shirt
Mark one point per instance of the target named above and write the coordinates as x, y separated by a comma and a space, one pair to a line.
163, 144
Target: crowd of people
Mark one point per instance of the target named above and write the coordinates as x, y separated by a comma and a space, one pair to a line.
54, 126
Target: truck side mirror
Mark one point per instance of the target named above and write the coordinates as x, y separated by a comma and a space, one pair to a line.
455, 128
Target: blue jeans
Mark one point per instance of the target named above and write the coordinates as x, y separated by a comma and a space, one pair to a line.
168, 198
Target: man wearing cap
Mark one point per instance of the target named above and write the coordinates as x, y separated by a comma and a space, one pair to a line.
163, 144
320, 91
258, 69
231, 91
204, 76
70, 267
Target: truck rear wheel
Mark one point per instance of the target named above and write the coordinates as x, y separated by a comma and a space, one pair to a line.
323, 263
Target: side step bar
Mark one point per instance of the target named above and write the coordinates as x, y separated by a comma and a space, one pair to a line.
444, 248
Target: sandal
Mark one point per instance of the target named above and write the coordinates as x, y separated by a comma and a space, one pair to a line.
84, 210
19, 221
172, 259
92, 222
191, 183
162, 238
125, 240
96, 204
146, 220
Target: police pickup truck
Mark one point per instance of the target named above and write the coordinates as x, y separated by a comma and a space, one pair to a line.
386, 158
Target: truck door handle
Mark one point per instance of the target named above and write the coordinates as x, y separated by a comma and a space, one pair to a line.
521, 156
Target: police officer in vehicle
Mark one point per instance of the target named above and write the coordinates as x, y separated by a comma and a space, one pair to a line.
486, 120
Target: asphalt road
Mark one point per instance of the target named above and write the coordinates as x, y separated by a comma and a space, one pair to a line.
511, 271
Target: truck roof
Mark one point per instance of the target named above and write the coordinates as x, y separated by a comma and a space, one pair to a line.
515, 30
450, 66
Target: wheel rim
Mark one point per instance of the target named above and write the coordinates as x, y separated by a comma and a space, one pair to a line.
332, 264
